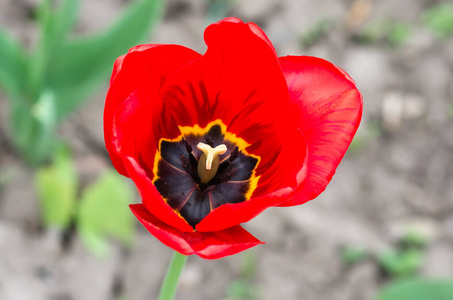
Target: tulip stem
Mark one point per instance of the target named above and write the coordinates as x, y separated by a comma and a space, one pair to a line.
170, 284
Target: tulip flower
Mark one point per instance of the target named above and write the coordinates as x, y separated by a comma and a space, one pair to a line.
213, 140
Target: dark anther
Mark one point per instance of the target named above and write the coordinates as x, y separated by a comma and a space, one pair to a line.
188, 147
188, 166
227, 175
209, 142
226, 163
234, 154
222, 177
192, 159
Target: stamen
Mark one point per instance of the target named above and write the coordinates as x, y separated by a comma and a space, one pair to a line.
188, 147
234, 154
227, 162
209, 161
188, 167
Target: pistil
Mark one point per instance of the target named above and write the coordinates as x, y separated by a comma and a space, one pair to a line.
209, 161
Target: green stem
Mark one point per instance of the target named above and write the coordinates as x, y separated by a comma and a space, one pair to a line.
170, 284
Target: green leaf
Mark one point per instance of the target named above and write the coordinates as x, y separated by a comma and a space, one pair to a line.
417, 289
316, 32
401, 263
13, 65
414, 238
33, 127
65, 17
57, 187
249, 265
353, 254
439, 19
56, 20
44, 112
104, 212
241, 289
398, 33
81, 64
218, 9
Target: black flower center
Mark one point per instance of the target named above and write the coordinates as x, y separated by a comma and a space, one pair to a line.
180, 172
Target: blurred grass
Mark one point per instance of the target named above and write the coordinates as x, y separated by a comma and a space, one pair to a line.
391, 32
439, 18
318, 31
417, 289
243, 287
351, 255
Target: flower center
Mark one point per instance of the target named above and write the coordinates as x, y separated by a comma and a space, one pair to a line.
203, 169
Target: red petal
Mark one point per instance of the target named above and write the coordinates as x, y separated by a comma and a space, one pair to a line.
117, 67
285, 171
239, 81
259, 32
133, 134
209, 245
253, 27
144, 68
152, 199
327, 107
229, 215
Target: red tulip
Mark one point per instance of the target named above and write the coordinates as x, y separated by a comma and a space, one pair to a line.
213, 140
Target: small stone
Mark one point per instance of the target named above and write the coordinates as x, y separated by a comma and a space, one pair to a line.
392, 111
414, 106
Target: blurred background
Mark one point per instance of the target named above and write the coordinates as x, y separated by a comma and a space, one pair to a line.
383, 229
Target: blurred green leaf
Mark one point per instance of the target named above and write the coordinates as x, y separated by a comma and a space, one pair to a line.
398, 33
218, 9
414, 238
104, 212
57, 187
401, 263
439, 19
44, 112
371, 33
315, 33
65, 17
249, 264
33, 127
369, 132
79, 65
13, 66
417, 289
394, 33
21, 125
241, 290
353, 254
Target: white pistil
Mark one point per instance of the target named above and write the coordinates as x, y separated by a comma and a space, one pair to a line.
209, 161
211, 153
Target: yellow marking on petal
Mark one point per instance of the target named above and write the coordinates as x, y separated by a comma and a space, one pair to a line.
253, 182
